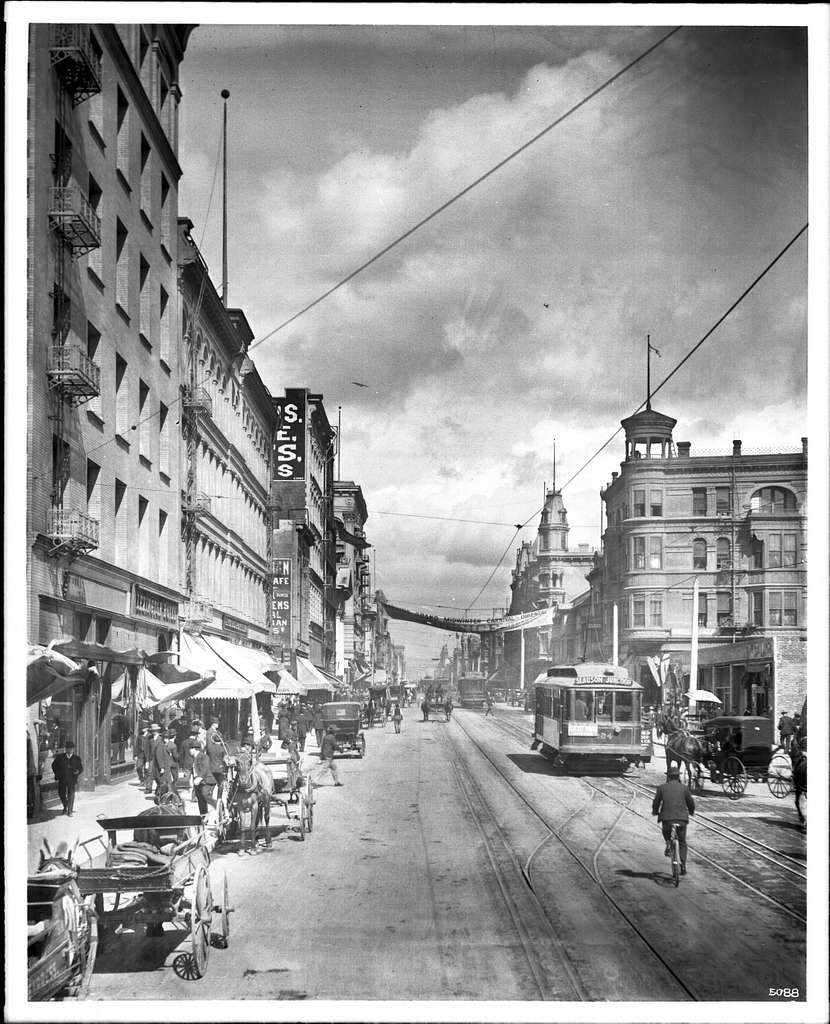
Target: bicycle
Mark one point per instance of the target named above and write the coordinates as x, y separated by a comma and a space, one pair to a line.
674, 844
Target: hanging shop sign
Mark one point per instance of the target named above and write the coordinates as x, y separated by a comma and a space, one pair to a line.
290, 435
281, 602
155, 607
233, 625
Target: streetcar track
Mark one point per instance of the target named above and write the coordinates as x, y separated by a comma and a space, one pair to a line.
554, 834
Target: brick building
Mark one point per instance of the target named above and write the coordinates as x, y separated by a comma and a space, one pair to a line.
353, 583
103, 381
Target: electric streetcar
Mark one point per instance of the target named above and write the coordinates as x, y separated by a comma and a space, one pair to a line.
589, 717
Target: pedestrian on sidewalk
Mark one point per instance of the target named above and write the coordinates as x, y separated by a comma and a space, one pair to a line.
67, 769
302, 727
317, 721
160, 769
216, 750
142, 742
786, 729
489, 703
397, 718
328, 748
202, 778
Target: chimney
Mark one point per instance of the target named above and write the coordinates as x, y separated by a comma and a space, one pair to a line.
683, 449
736, 447
804, 446
614, 476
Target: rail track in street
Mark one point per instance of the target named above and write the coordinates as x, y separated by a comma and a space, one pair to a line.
777, 877
589, 867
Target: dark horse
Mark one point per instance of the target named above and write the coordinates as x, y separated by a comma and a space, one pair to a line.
799, 761
252, 796
684, 749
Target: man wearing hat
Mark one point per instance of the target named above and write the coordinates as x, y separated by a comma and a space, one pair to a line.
142, 742
327, 751
202, 777
215, 749
673, 804
67, 769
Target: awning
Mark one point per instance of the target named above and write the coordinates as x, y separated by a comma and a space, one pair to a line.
80, 649
48, 673
356, 542
229, 683
250, 663
288, 685
312, 677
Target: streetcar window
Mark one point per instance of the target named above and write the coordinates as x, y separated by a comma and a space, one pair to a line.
582, 706
603, 700
624, 706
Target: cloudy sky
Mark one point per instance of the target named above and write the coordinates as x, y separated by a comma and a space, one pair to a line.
519, 314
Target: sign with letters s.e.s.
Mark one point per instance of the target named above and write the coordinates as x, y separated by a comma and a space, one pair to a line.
290, 437
281, 601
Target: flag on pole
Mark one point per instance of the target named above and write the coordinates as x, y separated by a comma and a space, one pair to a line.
653, 349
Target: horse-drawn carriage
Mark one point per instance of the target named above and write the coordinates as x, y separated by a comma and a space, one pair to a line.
380, 702
733, 749
161, 873
346, 719
62, 929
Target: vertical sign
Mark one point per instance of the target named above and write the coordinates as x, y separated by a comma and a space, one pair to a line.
281, 604
290, 438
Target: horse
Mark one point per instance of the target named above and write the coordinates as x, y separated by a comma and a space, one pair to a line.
799, 760
254, 785
687, 750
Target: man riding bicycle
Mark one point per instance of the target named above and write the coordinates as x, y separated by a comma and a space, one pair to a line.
673, 804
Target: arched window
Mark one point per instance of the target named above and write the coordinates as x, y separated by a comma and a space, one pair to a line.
699, 554
773, 500
724, 553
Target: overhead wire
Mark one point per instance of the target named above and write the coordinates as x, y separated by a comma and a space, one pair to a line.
468, 188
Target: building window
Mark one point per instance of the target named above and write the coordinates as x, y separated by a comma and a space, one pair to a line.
639, 502
655, 552
162, 549
724, 553
165, 213
773, 501
638, 611
93, 490
143, 536
698, 501
699, 554
144, 420
774, 551
164, 440
723, 501
724, 608
144, 303
93, 344
656, 503
122, 397
122, 525
756, 604
60, 469
655, 610
783, 608
639, 552
702, 609
122, 267
757, 553
790, 553
122, 128
95, 258
164, 326
146, 190
95, 104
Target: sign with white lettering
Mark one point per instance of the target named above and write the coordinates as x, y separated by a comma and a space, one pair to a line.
583, 729
289, 441
281, 602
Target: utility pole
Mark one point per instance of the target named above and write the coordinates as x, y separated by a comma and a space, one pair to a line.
225, 94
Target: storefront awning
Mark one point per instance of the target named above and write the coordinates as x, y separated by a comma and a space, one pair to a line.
230, 683
247, 661
80, 649
48, 673
288, 685
312, 677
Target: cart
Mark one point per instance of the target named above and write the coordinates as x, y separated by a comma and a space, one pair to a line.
739, 748
62, 931
380, 695
293, 788
160, 874
345, 717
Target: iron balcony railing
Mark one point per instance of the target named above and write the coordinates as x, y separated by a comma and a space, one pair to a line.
71, 369
197, 400
198, 503
72, 528
75, 61
71, 214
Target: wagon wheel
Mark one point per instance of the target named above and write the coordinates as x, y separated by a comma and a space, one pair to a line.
307, 808
201, 911
361, 746
224, 910
734, 777
222, 818
780, 776
301, 814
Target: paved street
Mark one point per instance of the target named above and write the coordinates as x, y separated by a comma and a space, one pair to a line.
456, 864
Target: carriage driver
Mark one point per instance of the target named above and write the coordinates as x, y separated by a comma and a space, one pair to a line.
672, 804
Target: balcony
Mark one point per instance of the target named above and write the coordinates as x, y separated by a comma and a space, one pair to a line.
197, 401
71, 531
198, 504
71, 215
76, 63
71, 370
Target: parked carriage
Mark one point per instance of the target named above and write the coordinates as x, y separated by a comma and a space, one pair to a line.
383, 704
161, 873
589, 717
292, 788
345, 717
739, 748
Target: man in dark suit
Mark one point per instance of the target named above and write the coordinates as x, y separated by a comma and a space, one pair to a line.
673, 804
67, 769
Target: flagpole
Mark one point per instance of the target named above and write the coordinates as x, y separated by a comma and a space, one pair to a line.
648, 371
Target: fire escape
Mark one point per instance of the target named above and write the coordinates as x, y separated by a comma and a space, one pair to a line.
75, 229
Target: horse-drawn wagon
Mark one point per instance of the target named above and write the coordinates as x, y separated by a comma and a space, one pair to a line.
160, 874
292, 788
62, 931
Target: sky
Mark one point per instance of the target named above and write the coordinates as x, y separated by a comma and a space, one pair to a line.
518, 316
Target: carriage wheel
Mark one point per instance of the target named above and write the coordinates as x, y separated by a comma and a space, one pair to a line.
224, 914
301, 814
222, 819
102, 928
200, 917
734, 777
780, 776
306, 809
